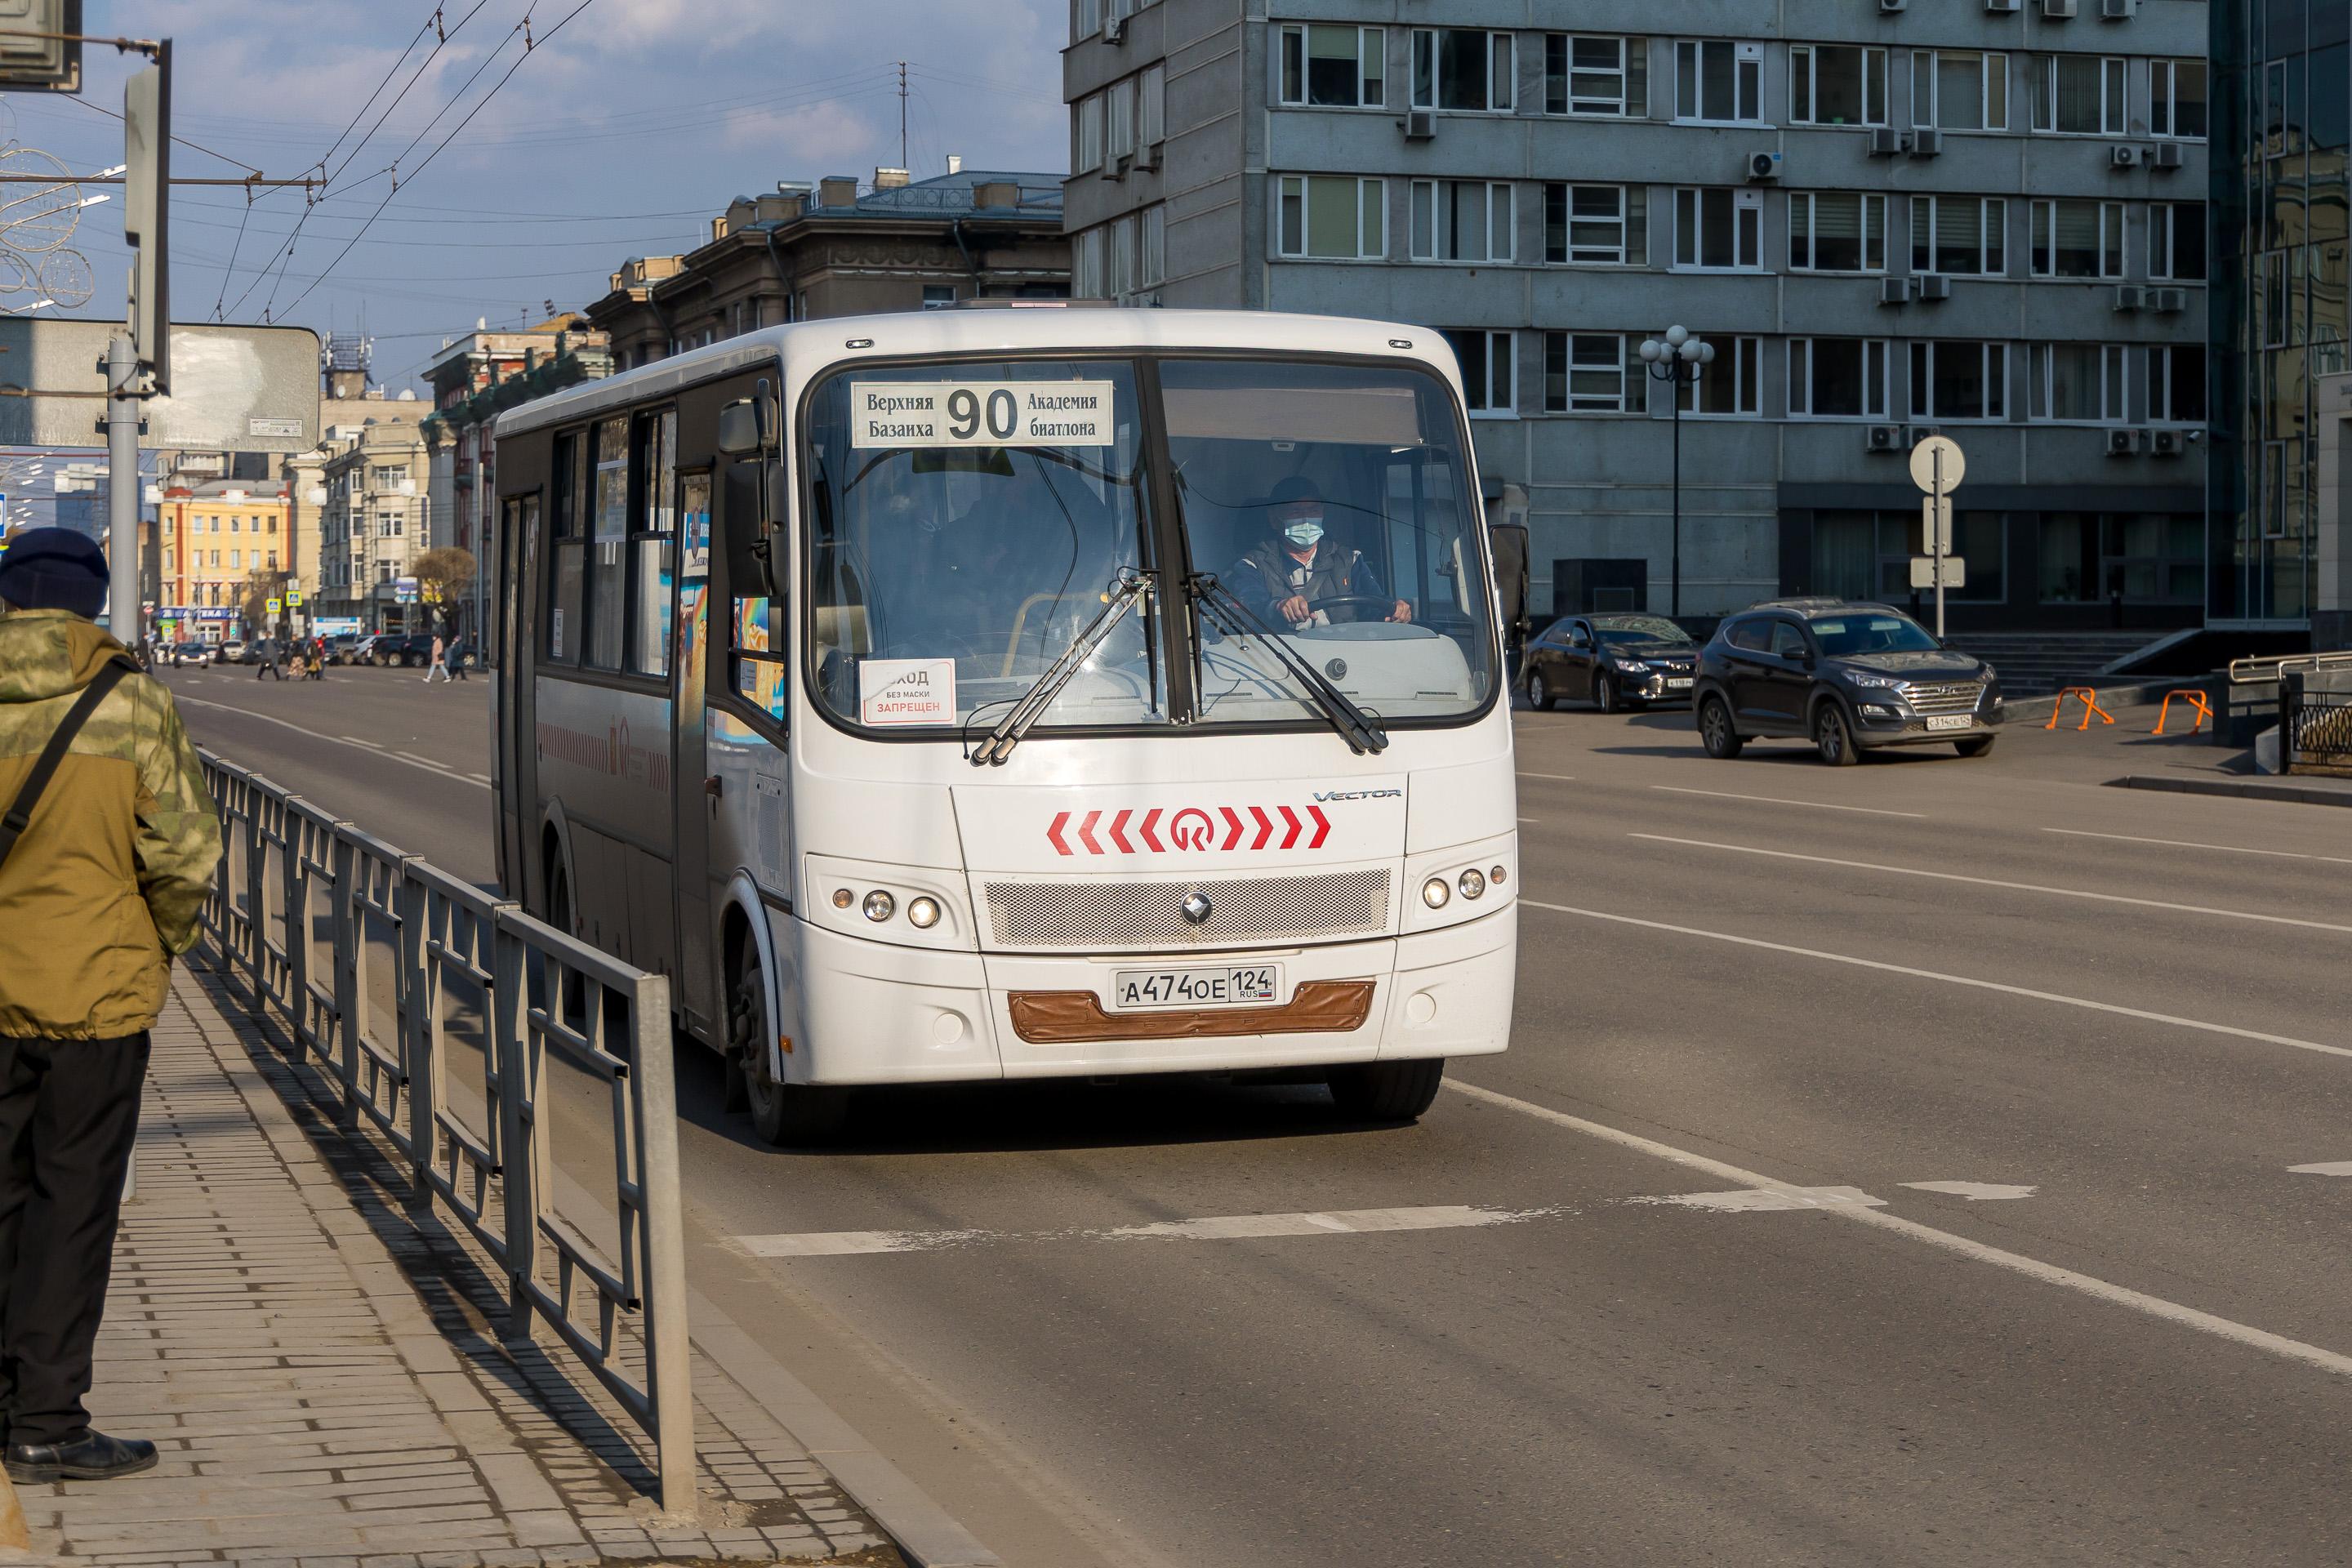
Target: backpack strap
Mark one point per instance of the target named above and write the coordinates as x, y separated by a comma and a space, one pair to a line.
19, 817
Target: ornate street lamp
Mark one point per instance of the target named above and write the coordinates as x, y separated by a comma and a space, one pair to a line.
1679, 361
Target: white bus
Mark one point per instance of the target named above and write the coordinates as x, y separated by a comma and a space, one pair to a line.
1015, 693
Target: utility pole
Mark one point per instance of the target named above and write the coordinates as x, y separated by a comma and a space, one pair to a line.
902, 114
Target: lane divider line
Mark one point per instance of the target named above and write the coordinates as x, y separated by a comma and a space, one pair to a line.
1563, 778
1214, 1227
2189, 844
404, 760
1999, 1258
1774, 800
1997, 882
2117, 1009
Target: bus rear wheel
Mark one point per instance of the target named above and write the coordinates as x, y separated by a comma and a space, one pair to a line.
1386, 1091
783, 1114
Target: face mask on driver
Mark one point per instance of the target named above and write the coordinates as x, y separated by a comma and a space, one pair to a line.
1302, 531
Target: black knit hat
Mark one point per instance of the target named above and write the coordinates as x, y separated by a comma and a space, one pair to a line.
54, 569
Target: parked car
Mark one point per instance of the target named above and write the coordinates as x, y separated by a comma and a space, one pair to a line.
233, 651
340, 646
1850, 678
189, 651
1618, 661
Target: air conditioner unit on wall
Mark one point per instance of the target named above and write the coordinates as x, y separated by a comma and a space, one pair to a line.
1885, 142
1894, 290
1420, 124
1889, 6
1915, 434
2124, 157
2168, 299
1935, 286
2130, 296
2000, 5
2167, 443
2167, 155
1883, 439
1926, 144
1148, 156
2117, 10
2057, 10
1763, 166
2123, 442
1114, 30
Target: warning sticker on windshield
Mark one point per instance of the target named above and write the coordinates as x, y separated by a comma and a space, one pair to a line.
980, 414
906, 691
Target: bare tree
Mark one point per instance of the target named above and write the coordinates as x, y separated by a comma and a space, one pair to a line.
443, 576
253, 601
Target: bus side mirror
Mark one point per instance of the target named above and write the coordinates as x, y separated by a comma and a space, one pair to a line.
740, 434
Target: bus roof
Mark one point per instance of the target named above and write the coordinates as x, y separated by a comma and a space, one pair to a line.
809, 348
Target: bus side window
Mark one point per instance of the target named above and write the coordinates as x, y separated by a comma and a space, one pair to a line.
758, 637
563, 630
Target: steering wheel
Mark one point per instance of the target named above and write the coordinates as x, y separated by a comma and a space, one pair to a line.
1386, 607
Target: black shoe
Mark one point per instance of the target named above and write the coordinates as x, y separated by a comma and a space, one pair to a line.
96, 1458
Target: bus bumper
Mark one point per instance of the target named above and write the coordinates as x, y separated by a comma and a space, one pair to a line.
871, 1013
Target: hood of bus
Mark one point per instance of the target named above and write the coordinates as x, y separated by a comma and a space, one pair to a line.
1181, 829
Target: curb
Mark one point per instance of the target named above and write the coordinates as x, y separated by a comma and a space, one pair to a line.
2246, 789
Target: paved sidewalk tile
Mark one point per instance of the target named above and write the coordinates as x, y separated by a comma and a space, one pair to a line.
322, 1374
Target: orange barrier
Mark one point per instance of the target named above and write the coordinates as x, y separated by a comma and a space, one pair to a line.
2195, 699
2090, 706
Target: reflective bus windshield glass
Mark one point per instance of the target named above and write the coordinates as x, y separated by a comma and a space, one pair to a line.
1335, 502
966, 523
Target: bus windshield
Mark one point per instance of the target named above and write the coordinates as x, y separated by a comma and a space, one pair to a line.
967, 521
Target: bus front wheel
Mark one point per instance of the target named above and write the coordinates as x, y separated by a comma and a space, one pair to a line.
783, 1114
1386, 1091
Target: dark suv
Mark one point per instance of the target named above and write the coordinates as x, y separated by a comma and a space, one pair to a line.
1850, 678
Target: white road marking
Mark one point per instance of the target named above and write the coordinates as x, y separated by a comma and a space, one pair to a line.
1764, 1200
1564, 778
1529, 819
2190, 844
480, 778
2033, 1268
1774, 800
427, 762
2230, 1030
338, 739
357, 740
2325, 1168
1216, 1228
1996, 882
1975, 1192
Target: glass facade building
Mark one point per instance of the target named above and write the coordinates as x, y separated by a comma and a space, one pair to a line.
2282, 88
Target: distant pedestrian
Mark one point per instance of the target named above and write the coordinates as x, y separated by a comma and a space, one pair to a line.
461, 654
440, 665
268, 650
105, 859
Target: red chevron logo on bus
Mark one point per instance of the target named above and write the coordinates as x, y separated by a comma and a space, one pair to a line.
1191, 830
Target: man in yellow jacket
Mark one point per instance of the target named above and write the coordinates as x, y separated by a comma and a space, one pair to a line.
99, 889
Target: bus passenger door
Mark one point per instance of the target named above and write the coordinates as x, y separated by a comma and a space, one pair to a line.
698, 978
515, 785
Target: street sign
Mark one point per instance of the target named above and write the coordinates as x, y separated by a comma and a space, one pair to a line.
294, 597
146, 210
1955, 574
1935, 525
276, 607
41, 50
403, 590
1938, 465
234, 389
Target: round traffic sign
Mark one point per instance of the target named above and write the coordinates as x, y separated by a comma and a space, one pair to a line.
1928, 456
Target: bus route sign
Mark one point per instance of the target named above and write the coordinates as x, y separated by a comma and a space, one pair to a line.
980, 414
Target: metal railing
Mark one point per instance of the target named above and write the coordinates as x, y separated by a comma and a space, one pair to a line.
2251, 671
2314, 729
441, 1017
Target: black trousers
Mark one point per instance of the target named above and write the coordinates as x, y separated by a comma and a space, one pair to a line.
69, 1111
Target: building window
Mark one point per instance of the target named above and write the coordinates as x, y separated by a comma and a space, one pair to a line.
389, 476
1733, 385
1333, 216
1118, 113
2176, 99
2175, 385
1836, 231
1152, 112
1718, 230
1960, 381
1967, 235
1153, 264
1836, 84
1329, 66
1867, 555
2086, 558
1596, 76
2078, 240
1122, 254
384, 571
1489, 376
1836, 378
1085, 18
2176, 241
938, 295
1589, 372
1461, 220
236, 560
273, 560
2078, 95
1090, 277
1718, 80
1086, 134
1466, 70
2084, 383
1959, 89
233, 524
1604, 225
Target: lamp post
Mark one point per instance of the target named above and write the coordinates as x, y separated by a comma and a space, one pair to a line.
1678, 359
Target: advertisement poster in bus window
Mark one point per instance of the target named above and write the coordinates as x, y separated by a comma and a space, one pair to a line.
893, 691
758, 672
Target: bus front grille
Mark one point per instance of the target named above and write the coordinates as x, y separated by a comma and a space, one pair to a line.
1320, 906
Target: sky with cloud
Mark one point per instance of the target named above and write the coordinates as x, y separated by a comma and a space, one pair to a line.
522, 176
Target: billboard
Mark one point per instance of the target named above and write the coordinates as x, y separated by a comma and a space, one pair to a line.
234, 389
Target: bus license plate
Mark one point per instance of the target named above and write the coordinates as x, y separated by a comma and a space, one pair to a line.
1254, 983
1950, 721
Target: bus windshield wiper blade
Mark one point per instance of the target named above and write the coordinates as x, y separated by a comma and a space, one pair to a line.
1132, 585
1358, 729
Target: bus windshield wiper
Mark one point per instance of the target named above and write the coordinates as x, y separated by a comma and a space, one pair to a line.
1132, 585
1358, 729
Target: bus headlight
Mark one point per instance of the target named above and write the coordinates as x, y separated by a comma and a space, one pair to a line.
1473, 883
923, 913
1434, 893
880, 906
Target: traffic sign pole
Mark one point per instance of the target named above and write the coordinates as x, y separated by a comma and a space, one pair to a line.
1937, 466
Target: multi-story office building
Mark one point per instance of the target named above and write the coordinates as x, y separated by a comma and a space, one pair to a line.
220, 541
1978, 216
373, 518
2280, 555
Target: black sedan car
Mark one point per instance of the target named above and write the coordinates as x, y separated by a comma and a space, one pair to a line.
1617, 661
1850, 678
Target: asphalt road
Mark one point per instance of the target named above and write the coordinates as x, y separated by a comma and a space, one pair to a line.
2109, 1023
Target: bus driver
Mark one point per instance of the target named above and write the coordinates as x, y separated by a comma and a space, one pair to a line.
1295, 573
